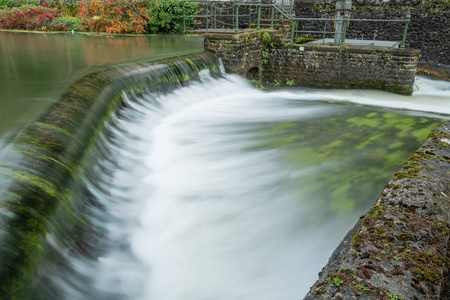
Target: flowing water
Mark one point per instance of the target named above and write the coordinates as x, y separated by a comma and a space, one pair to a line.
220, 191
217, 190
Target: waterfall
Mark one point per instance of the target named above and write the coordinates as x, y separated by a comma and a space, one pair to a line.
173, 180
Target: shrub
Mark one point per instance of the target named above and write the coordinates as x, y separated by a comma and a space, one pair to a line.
70, 23
31, 18
18, 3
166, 16
113, 16
67, 8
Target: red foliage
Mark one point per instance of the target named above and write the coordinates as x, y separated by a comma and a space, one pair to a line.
113, 16
31, 18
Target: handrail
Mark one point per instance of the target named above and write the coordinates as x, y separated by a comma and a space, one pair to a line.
285, 14
345, 21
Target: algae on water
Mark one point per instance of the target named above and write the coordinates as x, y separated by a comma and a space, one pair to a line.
354, 150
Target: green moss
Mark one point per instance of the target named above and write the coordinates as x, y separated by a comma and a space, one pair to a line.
405, 237
357, 239
403, 219
427, 274
41, 156
36, 181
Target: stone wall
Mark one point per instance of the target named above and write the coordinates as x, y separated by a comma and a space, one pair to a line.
239, 53
428, 31
342, 67
315, 66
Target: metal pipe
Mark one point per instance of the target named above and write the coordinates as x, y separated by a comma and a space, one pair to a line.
272, 17
207, 15
291, 42
236, 23
408, 19
258, 27
249, 16
344, 27
315, 31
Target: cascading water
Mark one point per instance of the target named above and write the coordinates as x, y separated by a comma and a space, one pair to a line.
216, 190
196, 205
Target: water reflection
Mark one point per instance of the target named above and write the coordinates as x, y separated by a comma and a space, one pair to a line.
36, 67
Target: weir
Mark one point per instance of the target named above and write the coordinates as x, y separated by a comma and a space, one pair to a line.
87, 215
42, 198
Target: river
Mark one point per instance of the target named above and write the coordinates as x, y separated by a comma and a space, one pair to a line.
217, 190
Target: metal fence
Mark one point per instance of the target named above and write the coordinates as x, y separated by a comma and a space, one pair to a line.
274, 12
340, 34
216, 9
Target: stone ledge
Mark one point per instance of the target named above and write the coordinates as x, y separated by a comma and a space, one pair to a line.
358, 49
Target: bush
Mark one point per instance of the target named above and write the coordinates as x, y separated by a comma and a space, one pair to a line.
18, 3
70, 23
40, 18
113, 16
67, 8
166, 16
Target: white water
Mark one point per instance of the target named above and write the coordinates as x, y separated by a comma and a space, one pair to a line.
195, 215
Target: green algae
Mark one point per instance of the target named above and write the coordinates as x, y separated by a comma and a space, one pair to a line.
59, 129
45, 157
359, 146
37, 181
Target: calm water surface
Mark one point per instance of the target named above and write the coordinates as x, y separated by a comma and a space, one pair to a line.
36, 67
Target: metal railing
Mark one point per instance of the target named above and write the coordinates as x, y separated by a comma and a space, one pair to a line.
278, 12
342, 34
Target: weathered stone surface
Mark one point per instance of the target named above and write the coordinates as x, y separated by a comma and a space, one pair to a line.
399, 249
342, 67
239, 53
428, 31
278, 63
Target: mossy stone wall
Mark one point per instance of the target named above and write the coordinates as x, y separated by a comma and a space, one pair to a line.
342, 67
239, 53
315, 66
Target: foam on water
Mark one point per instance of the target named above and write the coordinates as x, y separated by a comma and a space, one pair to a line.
193, 210
429, 95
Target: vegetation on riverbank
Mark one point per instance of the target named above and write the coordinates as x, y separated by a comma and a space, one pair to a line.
110, 16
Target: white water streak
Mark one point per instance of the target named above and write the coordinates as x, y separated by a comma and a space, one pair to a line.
204, 217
